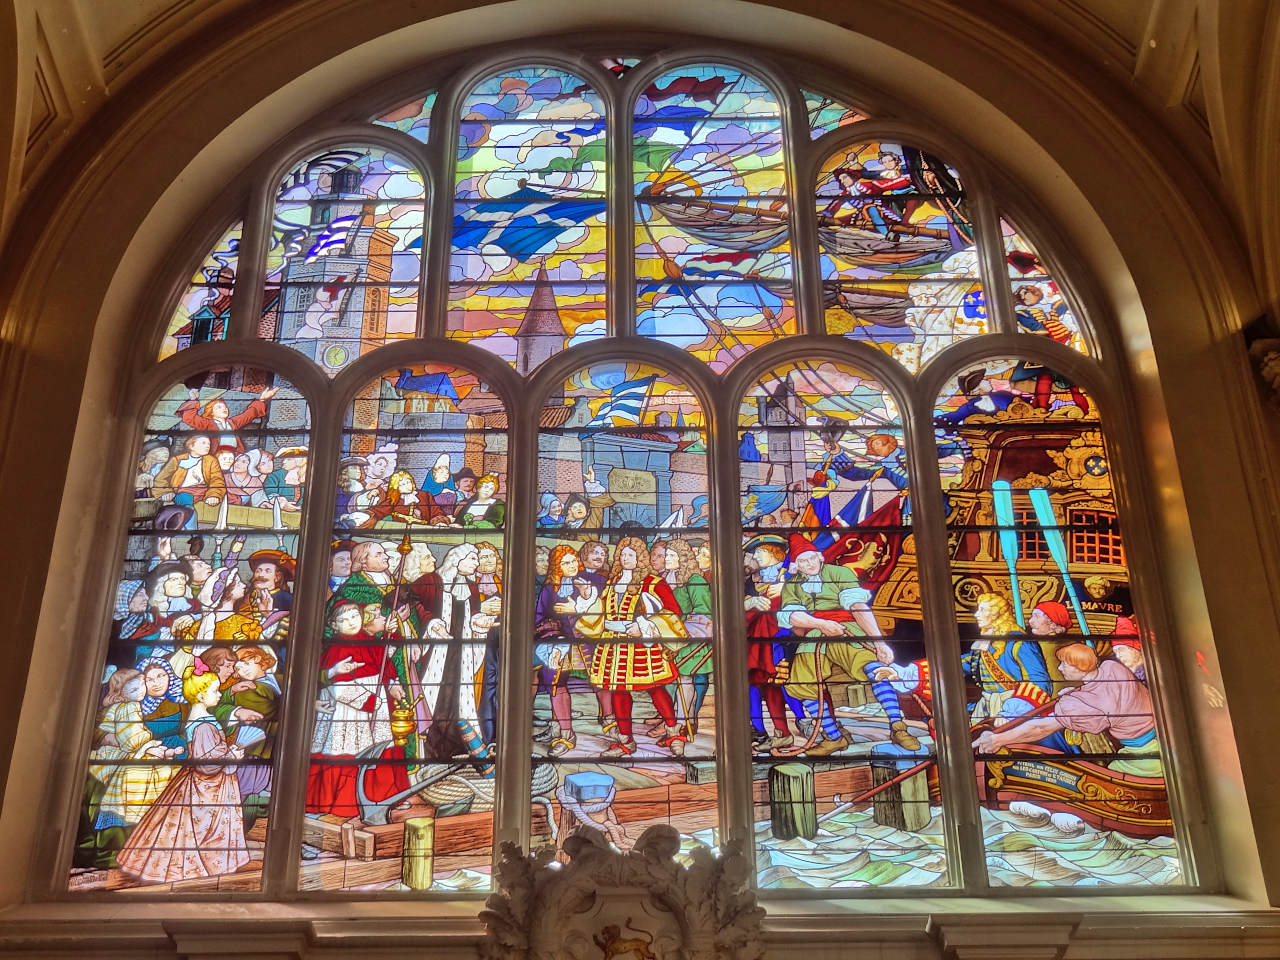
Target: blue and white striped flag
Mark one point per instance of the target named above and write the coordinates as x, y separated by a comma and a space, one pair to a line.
625, 403
333, 235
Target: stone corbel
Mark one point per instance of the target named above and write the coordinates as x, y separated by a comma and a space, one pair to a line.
602, 899
1264, 354
989, 938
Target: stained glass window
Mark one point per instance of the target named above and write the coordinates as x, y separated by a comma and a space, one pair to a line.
899, 260
190, 701
345, 256
843, 760
407, 689
622, 626
526, 278
204, 309
713, 253
413, 118
828, 113
1038, 304
1071, 777
625, 618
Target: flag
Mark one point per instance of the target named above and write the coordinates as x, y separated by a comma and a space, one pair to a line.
333, 235
625, 403
883, 527
523, 224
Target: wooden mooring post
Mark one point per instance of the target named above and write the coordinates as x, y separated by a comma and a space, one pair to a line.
793, 803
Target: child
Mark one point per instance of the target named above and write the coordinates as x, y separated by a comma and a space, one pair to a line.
194, 828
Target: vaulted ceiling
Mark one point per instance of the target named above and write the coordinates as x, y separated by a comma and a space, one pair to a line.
1207, 69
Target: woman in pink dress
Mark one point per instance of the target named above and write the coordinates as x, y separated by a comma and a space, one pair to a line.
195, 827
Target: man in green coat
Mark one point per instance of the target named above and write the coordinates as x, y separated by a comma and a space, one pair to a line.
823, 600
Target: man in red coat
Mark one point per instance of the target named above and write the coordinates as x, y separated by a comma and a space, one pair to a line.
216, 416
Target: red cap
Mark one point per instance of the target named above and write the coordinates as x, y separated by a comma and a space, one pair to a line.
1126, 634
1055, 611
801, 545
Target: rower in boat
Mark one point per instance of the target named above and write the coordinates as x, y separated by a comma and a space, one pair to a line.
1110, 700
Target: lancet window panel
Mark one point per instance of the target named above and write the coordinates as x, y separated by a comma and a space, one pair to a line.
190, 696
405, 715
527, 271
1071, 773
844, 764
792, 694
625, 711
714, 268
899, 253
344, 255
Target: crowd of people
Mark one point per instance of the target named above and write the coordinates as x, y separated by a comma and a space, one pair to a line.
180, 766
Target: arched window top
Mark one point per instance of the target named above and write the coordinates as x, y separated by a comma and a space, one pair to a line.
900, 262
204, 308
533, 94
344, 256
413, 117
618, 394
475, 533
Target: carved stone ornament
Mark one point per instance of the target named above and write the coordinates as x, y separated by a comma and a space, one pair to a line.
638, 905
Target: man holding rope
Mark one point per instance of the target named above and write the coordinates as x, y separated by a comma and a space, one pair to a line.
823, 600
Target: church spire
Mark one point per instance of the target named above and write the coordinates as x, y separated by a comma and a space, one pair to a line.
541, 334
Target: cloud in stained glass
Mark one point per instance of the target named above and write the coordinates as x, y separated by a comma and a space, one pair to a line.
713, 260
527, 270
413, 118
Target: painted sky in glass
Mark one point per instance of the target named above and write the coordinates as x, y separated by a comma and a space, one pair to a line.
526, 275
713, 254
828, 113
1071, 780
413, 118
407, 695
204, 310
345, 255
180, 764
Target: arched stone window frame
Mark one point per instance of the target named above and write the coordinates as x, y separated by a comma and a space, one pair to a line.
1103, 375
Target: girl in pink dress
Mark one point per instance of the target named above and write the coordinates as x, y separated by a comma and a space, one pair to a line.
195, 827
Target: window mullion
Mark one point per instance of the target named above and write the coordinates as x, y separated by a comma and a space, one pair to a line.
733, 744
805, 256
246, 303
293, 744
998, 293
621, 233
442, 149
962, 820
514, 726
